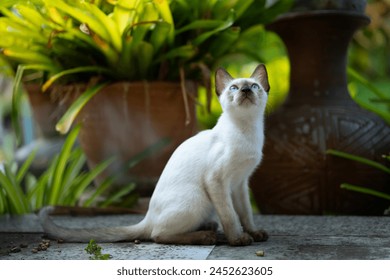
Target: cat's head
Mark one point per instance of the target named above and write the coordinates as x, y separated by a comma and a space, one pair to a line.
242, 93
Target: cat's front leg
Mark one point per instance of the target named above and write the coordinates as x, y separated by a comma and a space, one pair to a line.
223, 204
244, 210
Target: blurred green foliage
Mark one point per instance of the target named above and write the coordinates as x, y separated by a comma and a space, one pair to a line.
368, 66
369, 57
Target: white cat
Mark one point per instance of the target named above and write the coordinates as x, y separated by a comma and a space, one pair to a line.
207, 174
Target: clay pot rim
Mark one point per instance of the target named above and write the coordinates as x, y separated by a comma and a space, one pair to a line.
321, 13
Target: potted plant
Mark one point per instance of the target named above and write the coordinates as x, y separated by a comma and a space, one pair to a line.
107, 59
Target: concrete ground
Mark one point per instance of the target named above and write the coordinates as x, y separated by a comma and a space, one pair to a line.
291, 237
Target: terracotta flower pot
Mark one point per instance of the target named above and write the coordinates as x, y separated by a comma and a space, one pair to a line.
297, 176
124, 119
46, 108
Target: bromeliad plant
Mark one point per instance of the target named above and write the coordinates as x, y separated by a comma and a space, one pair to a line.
126, 40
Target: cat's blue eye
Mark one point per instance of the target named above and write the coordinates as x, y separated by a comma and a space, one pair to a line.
233, 87
255, 87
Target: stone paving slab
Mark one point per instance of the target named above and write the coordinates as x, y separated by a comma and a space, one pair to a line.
291, 237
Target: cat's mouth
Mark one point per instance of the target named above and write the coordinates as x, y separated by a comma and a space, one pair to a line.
246, 99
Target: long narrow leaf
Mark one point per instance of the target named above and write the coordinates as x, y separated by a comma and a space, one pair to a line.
10, 172
200, 24
124, 13
99, 190
224, 25
13, 194
31, 15
359, 159
67, 119
163, 7
26, 56
184, 52
76, 163
24, 168
59, 169
108, 24
147, 152
160, 35
87, 180
40, 191
359, 78
365, 191
130, 164
117, 195
83, 69
17, 93
80, 15
3, 206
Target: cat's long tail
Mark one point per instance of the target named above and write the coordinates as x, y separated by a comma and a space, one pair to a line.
112, 234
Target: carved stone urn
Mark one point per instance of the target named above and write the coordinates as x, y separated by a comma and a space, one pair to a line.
297, 176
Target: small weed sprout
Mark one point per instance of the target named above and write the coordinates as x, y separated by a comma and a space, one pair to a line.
96, 251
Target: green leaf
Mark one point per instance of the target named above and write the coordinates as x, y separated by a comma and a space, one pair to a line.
39, 194
17, 93
67, 119
165, 11
87, 180
58, 173
24, 168
118, 195
144, 55
359, 159
185, 52
3, 206
131, 163
31, 15
26, 56
224, 42
8, 3
365, 191
224, 25
108, 24
77, 160
100, 190
200, 24
124, 13
159, 35
80, 14
82, 69
359, 78
13, 191
147, 152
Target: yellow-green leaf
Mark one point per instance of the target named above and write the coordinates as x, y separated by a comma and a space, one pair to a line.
68, 118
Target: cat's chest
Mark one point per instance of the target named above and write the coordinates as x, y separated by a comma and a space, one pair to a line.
243, 151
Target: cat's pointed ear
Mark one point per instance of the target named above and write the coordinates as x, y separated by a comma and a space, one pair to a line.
260, 74
222, 78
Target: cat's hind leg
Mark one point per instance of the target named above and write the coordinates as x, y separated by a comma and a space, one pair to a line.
190, 238
211, 225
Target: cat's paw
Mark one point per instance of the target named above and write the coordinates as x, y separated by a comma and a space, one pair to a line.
243, 240
208, 238
259, 235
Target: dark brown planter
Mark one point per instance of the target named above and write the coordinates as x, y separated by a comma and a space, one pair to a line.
124, 119
297, 176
